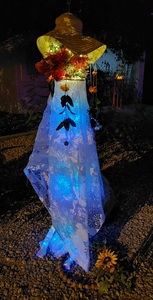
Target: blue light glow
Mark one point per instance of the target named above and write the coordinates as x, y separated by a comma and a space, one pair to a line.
44, 243
67, 263
64, 183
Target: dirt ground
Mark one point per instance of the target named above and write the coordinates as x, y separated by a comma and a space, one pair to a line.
125, 149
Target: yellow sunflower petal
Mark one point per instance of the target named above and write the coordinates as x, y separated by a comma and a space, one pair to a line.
106, 259
112, 269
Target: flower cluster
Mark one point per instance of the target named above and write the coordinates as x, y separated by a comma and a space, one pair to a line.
63, 64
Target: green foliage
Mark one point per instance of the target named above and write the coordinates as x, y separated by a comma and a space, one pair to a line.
111, 276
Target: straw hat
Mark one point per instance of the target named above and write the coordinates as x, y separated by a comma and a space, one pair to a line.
68, 31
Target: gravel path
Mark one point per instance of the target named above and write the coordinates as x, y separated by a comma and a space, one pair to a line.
125, 147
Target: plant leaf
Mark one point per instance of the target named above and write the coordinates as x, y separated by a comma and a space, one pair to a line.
72, 122
70, 109
63, 100
67, 124
103, 287
60, 125
69, 100
62, 111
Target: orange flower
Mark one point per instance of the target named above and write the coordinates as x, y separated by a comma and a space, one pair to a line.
80, 62
94, 73
58, 74
50, 78
42, 66
61, 64
64, 87
93, 89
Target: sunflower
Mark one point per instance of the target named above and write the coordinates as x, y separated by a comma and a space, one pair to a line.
106, 260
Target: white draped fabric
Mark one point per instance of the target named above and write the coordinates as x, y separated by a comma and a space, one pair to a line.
67, 176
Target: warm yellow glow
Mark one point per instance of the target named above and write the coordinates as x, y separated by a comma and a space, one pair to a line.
96, 54
44, 45
64, 87
119, 77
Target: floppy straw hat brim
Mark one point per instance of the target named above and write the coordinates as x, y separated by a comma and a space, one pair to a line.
68, 32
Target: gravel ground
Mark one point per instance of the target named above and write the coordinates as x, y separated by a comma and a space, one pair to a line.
125, 148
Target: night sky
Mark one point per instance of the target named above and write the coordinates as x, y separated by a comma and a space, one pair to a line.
18, 17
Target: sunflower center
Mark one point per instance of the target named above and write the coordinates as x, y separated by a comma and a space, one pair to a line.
106, 260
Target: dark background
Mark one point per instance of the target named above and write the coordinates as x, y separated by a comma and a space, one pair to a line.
120, 24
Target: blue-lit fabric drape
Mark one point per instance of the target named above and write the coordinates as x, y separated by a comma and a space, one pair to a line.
67, 176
